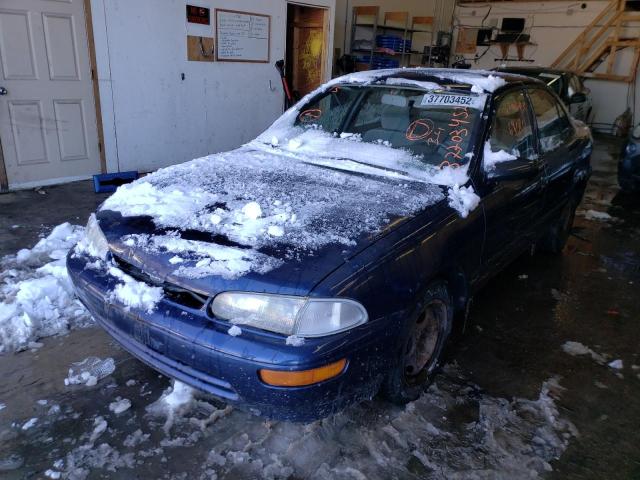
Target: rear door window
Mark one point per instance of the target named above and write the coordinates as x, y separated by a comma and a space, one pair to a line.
554, 127
511, 128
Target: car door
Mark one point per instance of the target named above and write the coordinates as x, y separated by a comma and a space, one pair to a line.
556, 144
578, 104
512, 190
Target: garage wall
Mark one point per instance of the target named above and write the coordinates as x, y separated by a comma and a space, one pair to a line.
442, 10
553, 26
152, 117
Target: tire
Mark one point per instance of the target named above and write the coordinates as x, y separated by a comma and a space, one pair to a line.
627, 186
422, 347
556, 237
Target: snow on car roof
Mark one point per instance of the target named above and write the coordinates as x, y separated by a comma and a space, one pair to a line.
431, 78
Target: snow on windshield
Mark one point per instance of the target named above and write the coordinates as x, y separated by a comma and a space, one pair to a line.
423, 135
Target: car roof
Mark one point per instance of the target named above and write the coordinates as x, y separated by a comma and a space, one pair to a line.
462, 79
531, 70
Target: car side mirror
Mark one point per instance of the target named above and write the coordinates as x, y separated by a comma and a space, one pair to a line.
514, 170
578, 97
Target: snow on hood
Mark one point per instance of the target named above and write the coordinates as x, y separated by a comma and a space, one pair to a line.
259, 199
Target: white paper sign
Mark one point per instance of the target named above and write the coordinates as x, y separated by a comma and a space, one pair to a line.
453, 100
242, 37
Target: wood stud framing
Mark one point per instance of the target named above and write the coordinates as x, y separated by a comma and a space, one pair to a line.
600, 41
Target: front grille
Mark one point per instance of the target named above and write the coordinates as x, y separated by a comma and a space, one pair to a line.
173, 293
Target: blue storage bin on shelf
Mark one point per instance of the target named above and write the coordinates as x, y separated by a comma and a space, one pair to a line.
390, 41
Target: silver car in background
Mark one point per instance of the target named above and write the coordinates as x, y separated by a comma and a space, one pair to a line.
569, 87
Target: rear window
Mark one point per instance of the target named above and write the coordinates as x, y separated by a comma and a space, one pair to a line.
436, 126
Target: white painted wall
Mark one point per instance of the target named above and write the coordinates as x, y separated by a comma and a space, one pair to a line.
152, 118
553, 26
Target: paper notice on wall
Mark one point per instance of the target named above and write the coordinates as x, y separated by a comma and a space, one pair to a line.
242, 36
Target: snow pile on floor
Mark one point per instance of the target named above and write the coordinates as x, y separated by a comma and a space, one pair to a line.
30, 423
597, 215
174, 402
120, 405
136, 438
36, 295
578, 349
454, 430
490, 158
463, 199
90, 371
491, 438
616, 364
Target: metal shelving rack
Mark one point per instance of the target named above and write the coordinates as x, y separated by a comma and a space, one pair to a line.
374, 27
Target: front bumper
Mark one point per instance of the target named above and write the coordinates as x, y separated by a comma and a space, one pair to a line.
188, 345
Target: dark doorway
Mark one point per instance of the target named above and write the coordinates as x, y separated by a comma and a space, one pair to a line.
306, 48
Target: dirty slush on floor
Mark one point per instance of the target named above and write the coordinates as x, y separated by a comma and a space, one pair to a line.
542, 383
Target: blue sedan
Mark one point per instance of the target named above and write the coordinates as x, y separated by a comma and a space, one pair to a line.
629, 163
329, 259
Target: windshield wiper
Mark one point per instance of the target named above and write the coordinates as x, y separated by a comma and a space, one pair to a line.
325, 162
379, 167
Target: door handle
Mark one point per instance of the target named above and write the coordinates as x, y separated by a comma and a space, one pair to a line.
3, 91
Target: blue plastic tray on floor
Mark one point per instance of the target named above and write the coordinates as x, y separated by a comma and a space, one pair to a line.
108, 182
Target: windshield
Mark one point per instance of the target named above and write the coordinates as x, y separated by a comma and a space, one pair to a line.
436, 127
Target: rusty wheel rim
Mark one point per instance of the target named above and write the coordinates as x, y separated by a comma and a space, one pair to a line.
422, 345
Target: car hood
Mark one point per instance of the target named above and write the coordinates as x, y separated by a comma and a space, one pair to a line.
256, 221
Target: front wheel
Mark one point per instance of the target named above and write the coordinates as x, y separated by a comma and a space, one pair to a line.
422, 348
556, 237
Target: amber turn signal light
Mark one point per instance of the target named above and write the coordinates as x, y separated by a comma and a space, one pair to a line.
300, 378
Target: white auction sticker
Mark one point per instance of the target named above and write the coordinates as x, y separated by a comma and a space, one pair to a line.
452, 100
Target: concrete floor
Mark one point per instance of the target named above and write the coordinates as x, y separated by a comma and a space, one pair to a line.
26, 214
511, 346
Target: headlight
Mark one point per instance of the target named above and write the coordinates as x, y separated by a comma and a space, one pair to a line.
631, 148
304, 317
636, 132
94, 243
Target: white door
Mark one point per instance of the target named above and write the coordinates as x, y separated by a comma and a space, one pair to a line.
47, 115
